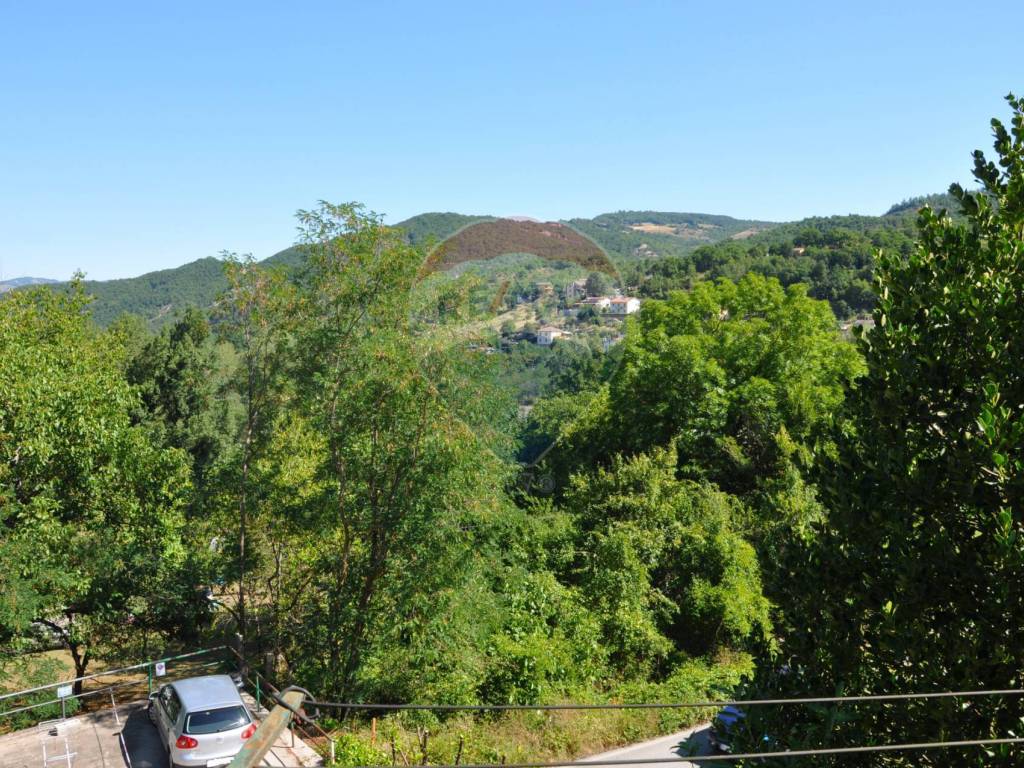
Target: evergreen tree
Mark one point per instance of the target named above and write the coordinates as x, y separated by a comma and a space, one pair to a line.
919, 573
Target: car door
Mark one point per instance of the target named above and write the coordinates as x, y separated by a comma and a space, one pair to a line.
169, 708
159, 713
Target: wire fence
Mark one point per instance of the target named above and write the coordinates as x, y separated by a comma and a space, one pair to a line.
917, 746
709, 704
143, 672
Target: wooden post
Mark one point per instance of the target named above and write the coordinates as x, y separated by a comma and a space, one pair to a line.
373, 732
268, 732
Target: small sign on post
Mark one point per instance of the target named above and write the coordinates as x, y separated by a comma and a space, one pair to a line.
64, 692
160, 668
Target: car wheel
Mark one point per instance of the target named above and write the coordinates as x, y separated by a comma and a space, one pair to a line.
151, 713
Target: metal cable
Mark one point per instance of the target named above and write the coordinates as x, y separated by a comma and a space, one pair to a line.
747, 755
665, 705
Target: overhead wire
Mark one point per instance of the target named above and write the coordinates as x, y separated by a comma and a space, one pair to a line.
708, 704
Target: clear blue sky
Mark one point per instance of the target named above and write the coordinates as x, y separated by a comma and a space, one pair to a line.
139, 136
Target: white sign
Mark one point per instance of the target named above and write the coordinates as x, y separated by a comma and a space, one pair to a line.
64, 691
160, 669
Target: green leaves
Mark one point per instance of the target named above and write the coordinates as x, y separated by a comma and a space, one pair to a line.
92, 508
918, 574
664, 567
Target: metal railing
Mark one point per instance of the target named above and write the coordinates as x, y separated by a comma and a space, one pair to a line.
148, 666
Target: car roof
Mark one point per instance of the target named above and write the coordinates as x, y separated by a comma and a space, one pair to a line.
207, 692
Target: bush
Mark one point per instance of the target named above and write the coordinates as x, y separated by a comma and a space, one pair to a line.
351, 750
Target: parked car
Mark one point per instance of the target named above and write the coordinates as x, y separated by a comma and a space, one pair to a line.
202, 721
724, 726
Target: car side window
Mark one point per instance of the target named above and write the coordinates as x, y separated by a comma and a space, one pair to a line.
172, 704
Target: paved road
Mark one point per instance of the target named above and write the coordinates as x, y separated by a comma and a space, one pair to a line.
671, 748
142, 740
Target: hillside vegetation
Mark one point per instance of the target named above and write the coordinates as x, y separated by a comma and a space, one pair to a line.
833, 256
655, 251
628, 235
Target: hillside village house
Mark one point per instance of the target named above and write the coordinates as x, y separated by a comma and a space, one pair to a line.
546, 336
577, 289
610, 341
623, 305
544, 289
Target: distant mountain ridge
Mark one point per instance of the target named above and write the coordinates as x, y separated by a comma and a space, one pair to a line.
21, 282
627, 237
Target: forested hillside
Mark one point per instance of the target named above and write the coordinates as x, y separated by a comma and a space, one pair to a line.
834, 256
654, 251
629, 235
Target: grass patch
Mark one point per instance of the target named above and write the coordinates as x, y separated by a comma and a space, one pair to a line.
410, 738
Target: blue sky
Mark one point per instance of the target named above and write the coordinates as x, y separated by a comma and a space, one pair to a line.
139, 136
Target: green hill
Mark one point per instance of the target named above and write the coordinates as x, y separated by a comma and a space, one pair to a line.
436, 226
158, 295
832, 255
628, 235
656, 250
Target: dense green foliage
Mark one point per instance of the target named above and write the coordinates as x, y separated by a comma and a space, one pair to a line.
919, 571
91, 508
336, 452
743, 379
833, 257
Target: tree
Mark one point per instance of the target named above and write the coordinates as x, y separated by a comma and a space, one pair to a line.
174, 374
254, 316
663, 565
919, 573
743, 377
406, 480
599, 284
91, 509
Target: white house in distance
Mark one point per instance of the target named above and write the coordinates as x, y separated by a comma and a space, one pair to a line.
546, 336
623, 305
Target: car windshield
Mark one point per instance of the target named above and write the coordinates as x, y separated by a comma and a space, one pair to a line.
216, 720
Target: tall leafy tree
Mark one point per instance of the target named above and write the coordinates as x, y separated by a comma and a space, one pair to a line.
254, 316
174, 373
919, 574
90, 507
743, 378
405, 482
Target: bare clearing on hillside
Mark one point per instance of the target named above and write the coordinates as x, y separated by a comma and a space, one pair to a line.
661, 229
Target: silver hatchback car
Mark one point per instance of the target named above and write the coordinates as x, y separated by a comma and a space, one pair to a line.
202, 721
